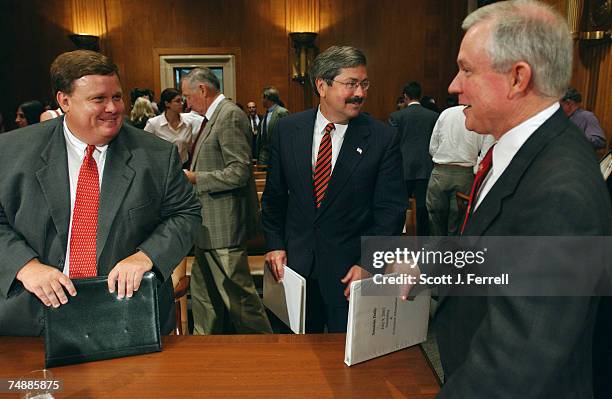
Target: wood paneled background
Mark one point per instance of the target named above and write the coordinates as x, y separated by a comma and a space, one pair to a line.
403, 39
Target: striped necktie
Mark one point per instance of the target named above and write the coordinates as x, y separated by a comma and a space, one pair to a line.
323, 167
85, 219
483, 170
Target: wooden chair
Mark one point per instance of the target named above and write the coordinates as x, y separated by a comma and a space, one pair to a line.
180, 281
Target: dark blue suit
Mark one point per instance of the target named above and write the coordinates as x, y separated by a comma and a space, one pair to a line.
365, 197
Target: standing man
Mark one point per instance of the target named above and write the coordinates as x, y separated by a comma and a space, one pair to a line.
540, 179
334, 176
254, 121
415, 124
224, 298
585, 120
454, 151
268, 126
83, 195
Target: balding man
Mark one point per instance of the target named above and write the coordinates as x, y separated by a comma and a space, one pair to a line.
515, 63
224, 298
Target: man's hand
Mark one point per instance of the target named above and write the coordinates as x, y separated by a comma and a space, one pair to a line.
190, 176
46, 283
355, 273
276, 261
128, 273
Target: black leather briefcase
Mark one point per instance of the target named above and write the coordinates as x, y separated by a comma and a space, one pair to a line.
95, 325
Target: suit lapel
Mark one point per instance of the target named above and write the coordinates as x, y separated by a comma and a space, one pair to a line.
53, 180
117, 178
352, 152
302, 152
206, 132
508, 182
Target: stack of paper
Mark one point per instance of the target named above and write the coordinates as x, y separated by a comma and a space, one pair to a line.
286, 299
378, 325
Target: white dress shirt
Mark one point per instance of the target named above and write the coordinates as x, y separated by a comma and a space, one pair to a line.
509, 144
337, 138
213, 106
181, 137
452, 144
76, 151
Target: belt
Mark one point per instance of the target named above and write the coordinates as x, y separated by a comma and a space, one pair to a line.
450, 165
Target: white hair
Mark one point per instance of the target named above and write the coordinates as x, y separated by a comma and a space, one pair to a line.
529, 31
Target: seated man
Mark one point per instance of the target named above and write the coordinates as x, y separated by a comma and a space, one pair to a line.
82, 195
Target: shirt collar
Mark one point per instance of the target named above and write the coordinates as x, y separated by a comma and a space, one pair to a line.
413, 103
512, 141
76, 143
213, 106
321, 121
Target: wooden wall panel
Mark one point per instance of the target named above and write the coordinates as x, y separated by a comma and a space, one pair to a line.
592, 69
404, 40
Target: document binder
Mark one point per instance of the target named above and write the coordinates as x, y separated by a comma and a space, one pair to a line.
287, 299
378, 324
96, 325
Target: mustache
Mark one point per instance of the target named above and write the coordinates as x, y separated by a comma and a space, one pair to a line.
355, 100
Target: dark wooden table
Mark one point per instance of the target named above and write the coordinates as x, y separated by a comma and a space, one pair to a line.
237, 366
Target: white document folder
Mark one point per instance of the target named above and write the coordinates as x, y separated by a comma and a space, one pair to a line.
287, 299
378, 325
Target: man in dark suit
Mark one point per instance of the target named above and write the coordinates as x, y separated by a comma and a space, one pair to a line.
82, 195
269, 123
334, 176
415, 124
514, 64
254, 123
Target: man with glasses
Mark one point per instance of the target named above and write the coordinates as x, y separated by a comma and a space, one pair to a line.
334, 176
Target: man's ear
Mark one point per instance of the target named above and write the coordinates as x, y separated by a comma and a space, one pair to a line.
63, 100
204, 89
520, 79
322, 86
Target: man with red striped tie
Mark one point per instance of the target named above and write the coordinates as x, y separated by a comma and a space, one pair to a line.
334, 175
84, 195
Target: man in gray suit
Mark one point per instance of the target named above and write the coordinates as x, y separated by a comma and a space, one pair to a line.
267, 127
82, 195
222, 290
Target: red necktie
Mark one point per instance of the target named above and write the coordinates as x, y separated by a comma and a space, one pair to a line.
323, 166
195, 142
85, 219
483, 170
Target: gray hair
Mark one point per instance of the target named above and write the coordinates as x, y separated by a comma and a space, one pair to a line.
328, 64
271, 93
204, 76
529, 31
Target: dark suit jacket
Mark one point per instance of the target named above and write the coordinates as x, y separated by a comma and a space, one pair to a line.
146, 203
365, 197
415, 124
530, 347
266, 137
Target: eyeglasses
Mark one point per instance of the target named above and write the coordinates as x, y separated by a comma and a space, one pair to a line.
353, 85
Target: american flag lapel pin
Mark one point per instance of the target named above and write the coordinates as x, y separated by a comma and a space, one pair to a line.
359, 150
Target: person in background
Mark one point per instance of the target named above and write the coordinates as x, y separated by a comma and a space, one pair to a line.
28, 113
170, 125
585, 120
141, 113
429, 103
400, 103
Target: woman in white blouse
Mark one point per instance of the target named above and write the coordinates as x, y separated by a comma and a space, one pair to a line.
169, 125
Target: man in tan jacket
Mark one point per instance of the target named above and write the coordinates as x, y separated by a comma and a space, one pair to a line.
222, 290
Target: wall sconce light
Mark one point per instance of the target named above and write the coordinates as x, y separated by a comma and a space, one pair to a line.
304, 52
86, 42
